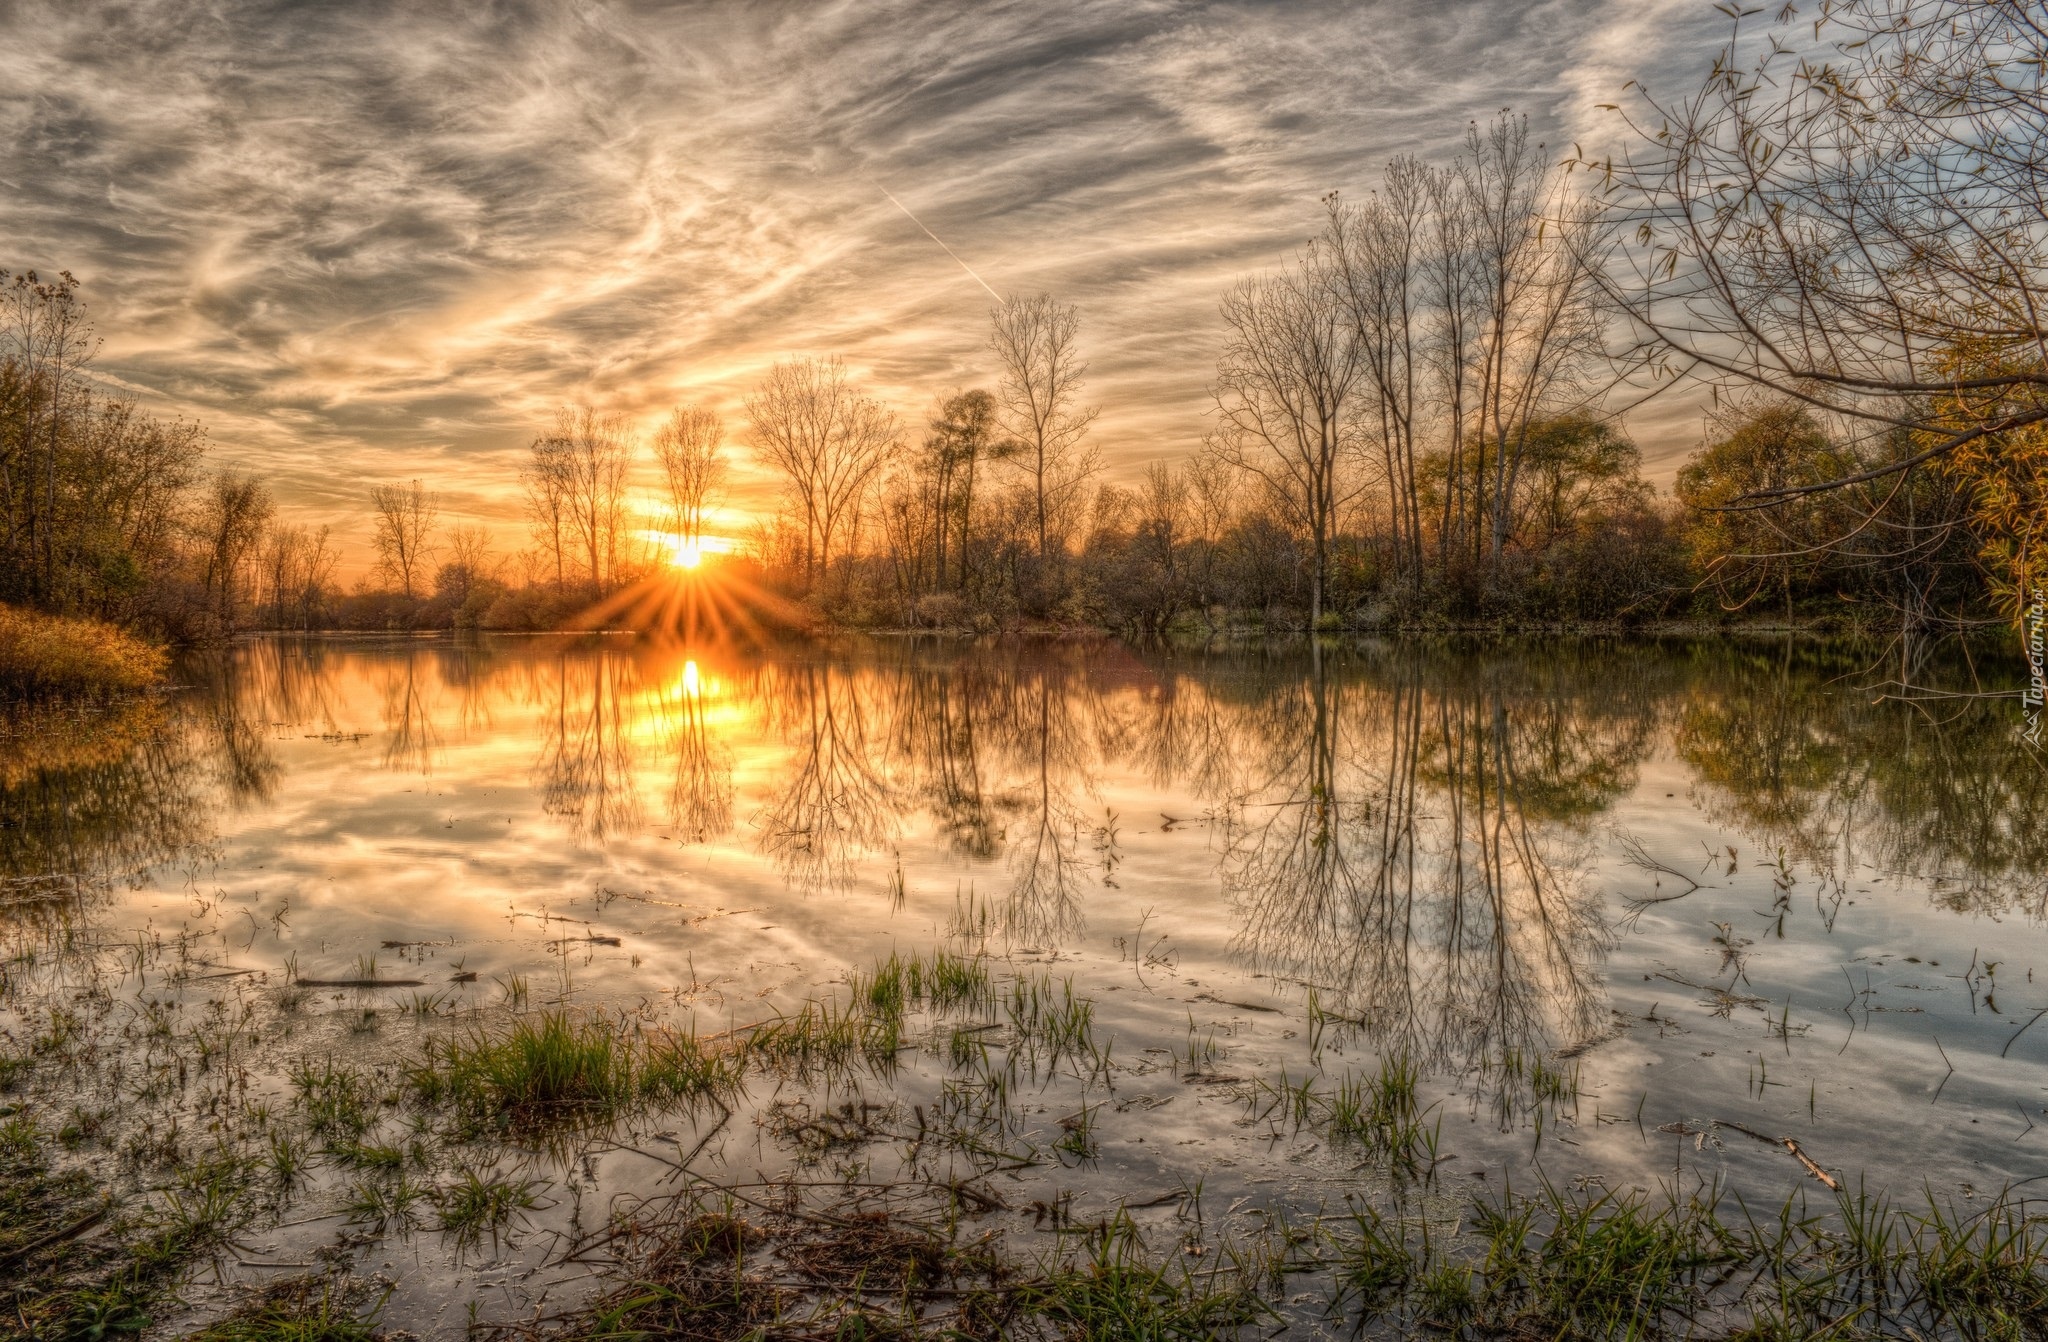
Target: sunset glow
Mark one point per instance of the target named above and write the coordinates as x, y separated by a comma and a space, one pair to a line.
690, 554
664, 240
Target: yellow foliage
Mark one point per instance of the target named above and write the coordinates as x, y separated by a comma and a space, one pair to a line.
2008, 479
56, 654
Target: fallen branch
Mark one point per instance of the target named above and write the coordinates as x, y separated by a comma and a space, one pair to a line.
70, 1232
1790, 1145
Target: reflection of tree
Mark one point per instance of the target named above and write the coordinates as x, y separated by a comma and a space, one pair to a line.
700, 793
993, 744
838, 801
938, 712
585, 767
87, 799
1045, 903
410, 734
1393, 847
1790, 757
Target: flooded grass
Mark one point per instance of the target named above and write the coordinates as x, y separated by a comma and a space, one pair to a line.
1606, 1265
323, 1307
556, 1069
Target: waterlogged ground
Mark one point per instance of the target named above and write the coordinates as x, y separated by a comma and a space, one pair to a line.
1200, 960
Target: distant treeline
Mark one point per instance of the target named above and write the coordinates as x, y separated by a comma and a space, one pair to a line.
1319, 499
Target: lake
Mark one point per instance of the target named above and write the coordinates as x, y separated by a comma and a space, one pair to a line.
1617, 915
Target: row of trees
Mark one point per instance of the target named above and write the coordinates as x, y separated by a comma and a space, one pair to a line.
1848, 242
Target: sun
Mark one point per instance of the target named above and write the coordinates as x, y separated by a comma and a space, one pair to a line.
686, 553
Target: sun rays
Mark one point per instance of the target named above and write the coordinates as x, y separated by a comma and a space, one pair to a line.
703, 596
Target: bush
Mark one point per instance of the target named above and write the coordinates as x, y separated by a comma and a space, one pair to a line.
57, 655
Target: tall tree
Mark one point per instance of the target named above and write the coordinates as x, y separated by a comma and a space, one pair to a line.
1536, 262
1037, 339
690, 446
546, 480
232, 519
964, 434
595, 453
1378, 250
1290, 371
46, 336
829, 440
405, 532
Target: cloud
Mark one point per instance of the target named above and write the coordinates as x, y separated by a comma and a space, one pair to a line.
396, 234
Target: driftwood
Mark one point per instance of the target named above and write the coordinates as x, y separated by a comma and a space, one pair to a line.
360, 983
1797, 1154
70, 1232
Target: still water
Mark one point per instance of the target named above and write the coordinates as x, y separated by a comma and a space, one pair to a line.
1601, 894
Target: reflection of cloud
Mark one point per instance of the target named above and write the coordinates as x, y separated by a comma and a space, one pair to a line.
404, 227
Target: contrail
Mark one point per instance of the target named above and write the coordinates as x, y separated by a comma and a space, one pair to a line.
935, 238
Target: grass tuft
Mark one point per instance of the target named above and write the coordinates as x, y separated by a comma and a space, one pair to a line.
557, 1069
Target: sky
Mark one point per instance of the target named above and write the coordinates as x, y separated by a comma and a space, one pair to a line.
370, 241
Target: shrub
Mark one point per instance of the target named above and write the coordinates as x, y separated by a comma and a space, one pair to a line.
58, 655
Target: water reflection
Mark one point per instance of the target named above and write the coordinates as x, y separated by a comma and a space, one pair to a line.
1415, 840
701, 793
585, 772
1782, 753
1412, 831
91, 799
836, 800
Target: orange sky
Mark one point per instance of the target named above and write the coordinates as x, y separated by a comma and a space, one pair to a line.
380, 240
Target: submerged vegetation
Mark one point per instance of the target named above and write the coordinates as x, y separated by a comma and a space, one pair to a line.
485, 1132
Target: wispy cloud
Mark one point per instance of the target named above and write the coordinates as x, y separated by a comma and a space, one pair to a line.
381, 239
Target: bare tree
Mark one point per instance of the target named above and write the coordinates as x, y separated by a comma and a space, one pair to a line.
317, 560
469, 545
1536, 254
232, 519
1284, 390
278, 571
1378, 249
405, 532
595, 453
1450, 282
546, 479
829, 440
690, 445
1037, 340
470, 562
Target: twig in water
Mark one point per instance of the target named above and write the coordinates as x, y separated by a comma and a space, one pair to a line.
1790, 1145
2022, 1030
